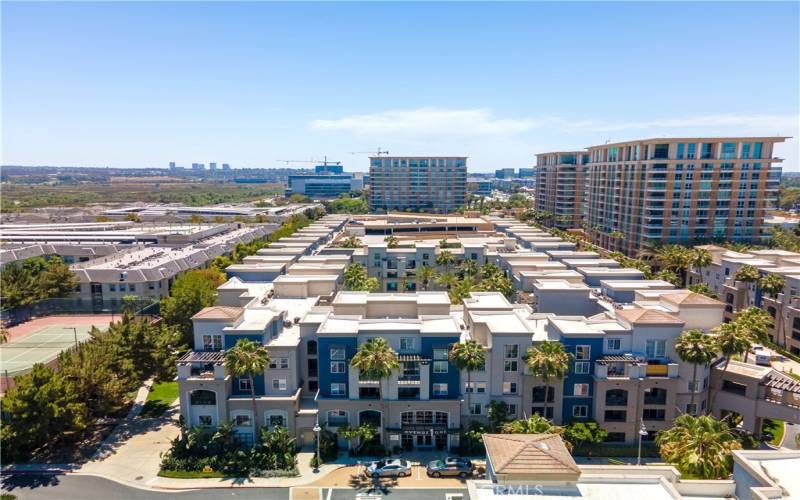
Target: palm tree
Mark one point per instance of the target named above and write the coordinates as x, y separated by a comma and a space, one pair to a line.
548, 361
392, 241
755, 323
446, 259
535, 424
747, 274
697, 348
468, 267
676, 258
245, 359
772, 285
426, 274
461, 289
468, 356
700, 259
351, 242
356, 278
700, 446
443, 243
376, 360
617, 236
731, 341
446, 279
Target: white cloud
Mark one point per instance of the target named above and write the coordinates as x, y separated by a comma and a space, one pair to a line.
427, 121
481, 122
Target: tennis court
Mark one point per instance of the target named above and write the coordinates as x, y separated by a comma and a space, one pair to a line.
40, 346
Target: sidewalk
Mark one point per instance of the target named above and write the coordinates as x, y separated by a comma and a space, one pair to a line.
131, 454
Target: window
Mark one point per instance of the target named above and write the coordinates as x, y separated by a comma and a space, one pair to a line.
512, 409
204, 420
440, 363
281, 363
653, 414
580, 390
581, 367
580, 411
244, 384
475, 409
656, 349
615, 416
478, 387
694, 386
337, 418
243, 421
583, 352
511, 351
613, 344
311, 347
337, 389
275, 421
203, 398
509, 387
691, 408
279, 384
338, 367
212, 342
337, 352
112, 287
440, 389
406, 343
615, 437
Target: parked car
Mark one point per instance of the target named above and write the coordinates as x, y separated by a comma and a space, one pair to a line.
450, 466
388, 468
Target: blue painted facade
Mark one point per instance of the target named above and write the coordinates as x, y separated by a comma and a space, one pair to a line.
570, 399
350, 344
451, 378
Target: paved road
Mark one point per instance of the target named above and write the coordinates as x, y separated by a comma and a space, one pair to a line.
72, 487
393, 494
792, 430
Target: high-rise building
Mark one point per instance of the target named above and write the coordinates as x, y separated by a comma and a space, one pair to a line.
560, 186
421, 183
212, 166
526, 172
680, 190
172, 165
226, 166
504, 173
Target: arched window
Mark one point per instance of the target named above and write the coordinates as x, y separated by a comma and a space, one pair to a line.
202, 397
616, 397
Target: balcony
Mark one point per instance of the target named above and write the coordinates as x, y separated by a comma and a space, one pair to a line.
633, 366
201, 365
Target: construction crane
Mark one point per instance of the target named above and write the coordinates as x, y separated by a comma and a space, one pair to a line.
316, 162
374, 153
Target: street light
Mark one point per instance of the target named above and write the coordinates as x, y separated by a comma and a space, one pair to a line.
642, 432
317, 429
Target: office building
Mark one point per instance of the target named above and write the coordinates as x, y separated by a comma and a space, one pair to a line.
504, 173
323, 185
226, 166
526, 172
329, 169
417, 183
680, 190
482, 187
560, 185
212, 166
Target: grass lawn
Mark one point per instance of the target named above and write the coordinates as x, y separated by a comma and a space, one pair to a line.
161, 395
774, 427
182, 474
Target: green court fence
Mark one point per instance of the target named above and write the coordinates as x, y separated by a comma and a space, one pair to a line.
76, 306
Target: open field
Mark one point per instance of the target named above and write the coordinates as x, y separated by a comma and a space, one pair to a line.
19, 197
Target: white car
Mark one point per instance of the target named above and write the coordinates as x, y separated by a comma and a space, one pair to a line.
388, 468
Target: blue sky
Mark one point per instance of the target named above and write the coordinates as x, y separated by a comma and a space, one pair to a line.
142, 84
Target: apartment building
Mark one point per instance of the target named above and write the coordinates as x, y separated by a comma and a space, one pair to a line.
417, 183
680, 190
784, 307
560, 185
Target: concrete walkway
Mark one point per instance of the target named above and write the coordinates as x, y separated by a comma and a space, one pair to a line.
131, 454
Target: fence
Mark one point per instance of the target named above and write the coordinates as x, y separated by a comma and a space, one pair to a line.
77, 306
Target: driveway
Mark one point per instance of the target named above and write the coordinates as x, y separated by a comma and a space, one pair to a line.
131, 454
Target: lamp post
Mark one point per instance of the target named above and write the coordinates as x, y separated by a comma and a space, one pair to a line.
642, 432
317, 429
